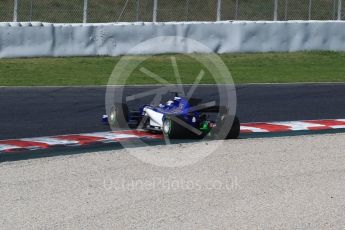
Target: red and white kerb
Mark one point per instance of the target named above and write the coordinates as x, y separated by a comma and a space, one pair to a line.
117, 136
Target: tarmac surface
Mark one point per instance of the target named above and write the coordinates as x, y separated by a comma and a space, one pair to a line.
276, 183
46, 111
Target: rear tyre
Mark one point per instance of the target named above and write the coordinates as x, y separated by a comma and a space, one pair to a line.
118, 116
234, 132
227, 127
171, 129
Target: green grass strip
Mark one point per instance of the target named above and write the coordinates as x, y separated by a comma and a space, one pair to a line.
244, 68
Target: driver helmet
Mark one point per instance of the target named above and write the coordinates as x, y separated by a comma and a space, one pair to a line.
170, 103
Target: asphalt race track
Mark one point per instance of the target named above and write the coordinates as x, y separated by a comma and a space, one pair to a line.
47, 111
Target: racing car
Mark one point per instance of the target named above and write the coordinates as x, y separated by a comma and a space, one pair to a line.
178, 118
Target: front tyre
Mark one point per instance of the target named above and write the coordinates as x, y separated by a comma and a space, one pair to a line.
118, 116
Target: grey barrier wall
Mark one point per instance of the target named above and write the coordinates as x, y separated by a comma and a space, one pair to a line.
36, 39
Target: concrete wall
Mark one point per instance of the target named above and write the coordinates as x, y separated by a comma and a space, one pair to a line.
46, 39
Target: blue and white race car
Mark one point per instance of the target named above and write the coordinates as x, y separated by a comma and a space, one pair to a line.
179, 118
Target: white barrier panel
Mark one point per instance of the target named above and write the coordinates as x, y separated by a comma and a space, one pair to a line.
45, 39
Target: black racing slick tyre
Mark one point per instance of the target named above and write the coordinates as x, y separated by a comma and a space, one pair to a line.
118, 116
173, 130
223, 129
235, 130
